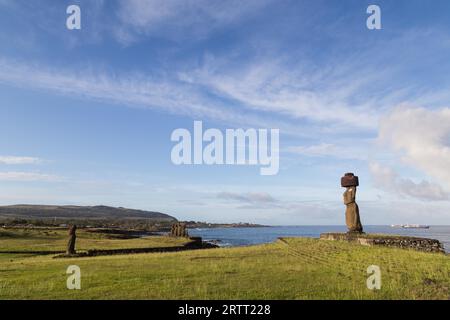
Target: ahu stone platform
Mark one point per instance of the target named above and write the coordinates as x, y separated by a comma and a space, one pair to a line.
403, 242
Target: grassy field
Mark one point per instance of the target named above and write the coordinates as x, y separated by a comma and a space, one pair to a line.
56, 240
296, 268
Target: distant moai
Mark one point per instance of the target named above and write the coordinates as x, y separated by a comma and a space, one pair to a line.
179, 230
72, 239
352, 219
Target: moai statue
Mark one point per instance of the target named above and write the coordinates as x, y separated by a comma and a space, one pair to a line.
179, 230
350, 182
184, 232
173, 230
72, 238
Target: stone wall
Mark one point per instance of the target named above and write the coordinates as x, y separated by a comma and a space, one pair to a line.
420, 244
195, 243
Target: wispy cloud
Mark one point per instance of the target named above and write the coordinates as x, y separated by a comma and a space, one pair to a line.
285, 210
28, 176
172, 93
180, 19
19, 160
269, 85
168, 93
251, 197
330, 150
133, 89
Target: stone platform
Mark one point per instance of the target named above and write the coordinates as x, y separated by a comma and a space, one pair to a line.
420, 244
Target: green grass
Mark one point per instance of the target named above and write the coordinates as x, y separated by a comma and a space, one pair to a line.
56, 240
297, 268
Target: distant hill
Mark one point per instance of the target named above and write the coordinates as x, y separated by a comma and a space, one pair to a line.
79, 212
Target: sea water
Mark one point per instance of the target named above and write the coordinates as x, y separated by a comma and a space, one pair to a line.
250, 236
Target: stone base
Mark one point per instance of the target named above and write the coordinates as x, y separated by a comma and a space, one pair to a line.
421, 244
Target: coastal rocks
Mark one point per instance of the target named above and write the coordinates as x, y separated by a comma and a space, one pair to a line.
178, 230
198, 243
420, 244
195, 242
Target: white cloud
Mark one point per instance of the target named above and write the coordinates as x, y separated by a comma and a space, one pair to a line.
422, 138
19, 160
28, 176
388, 180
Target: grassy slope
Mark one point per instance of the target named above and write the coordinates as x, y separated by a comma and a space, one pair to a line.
295, 269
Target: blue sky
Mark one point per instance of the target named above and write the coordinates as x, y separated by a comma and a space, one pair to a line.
86, 115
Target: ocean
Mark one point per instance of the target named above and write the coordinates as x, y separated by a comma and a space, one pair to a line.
249, 236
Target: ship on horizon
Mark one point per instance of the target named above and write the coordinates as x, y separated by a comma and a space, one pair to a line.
410, 226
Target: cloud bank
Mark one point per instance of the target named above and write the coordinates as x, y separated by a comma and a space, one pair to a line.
421, 138
388, 180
